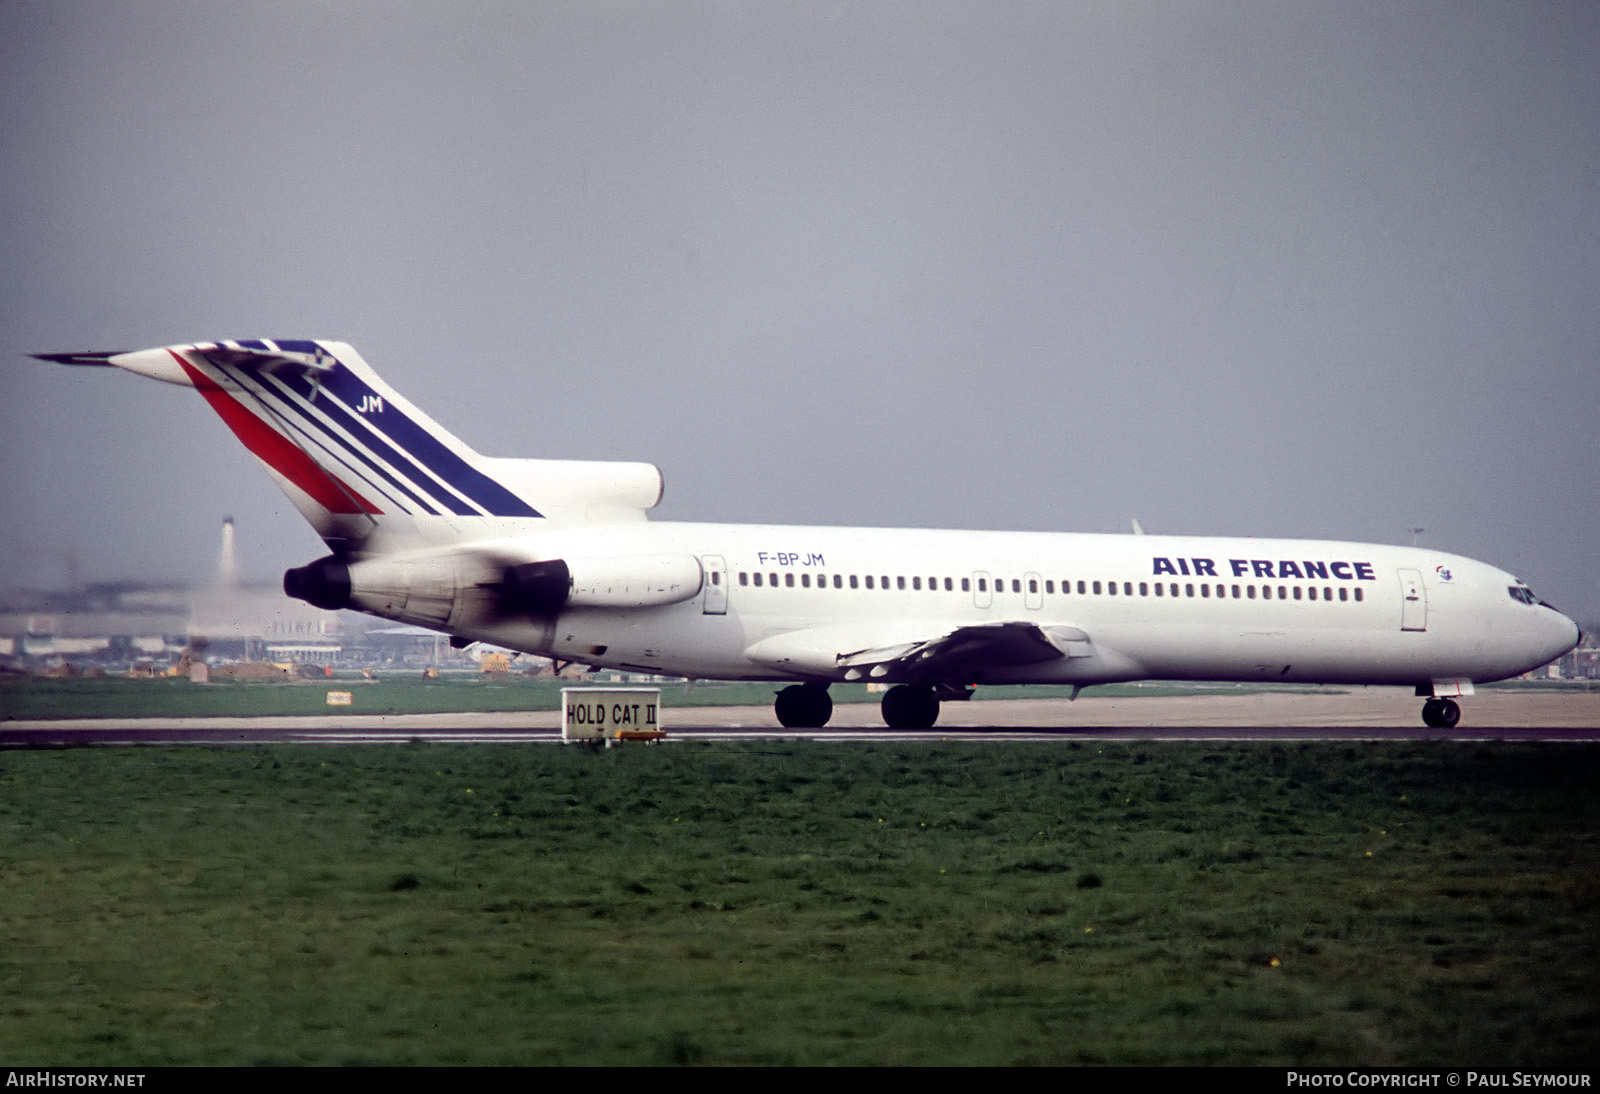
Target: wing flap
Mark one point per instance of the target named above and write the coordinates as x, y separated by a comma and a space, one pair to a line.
955, 654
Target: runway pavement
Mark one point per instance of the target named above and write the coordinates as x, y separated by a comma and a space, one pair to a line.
1358, 714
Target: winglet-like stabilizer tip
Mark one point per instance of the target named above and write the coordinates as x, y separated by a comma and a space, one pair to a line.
101, 359
158, 364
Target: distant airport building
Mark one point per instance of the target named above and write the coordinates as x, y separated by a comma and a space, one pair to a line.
1583, 663
126, 624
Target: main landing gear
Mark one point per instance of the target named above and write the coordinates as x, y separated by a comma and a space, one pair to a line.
803, 706
1441, 713
906, 706
910, 706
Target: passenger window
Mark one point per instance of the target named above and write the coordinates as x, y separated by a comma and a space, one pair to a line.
1033, 585
1016, 585
758, 581
772, 579
1049, 586
805, 581
1344, 594
1297, 592
966, 584
744, 578
1358, 595
1127, 588
1188, 590
1081, 587
948, 585
1096, 588
1159, 588
853, 584
869, 581
788, 579
1236, 592
1250, 591
1205, 591
983, 585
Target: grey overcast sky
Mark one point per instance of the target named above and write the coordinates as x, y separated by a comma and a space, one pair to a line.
1280, 268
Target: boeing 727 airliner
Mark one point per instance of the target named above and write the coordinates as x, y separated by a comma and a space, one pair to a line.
557, 558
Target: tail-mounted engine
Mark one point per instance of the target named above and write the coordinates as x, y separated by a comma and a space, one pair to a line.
438, 590
623, 581
418, 590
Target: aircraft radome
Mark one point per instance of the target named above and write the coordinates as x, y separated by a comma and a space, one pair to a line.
557, 558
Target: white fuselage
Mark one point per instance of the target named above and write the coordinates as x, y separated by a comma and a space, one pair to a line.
557, 558
1150, 607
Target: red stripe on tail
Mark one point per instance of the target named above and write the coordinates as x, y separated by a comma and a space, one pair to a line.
277, 451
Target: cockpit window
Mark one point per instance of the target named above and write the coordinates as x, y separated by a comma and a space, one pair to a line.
1525, 595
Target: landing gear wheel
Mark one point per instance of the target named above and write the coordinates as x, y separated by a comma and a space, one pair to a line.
803, 706
910, 706
1441, 713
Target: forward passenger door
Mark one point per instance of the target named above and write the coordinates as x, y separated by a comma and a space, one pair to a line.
1413, 601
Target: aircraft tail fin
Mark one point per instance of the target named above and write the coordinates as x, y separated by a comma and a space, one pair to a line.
355, 456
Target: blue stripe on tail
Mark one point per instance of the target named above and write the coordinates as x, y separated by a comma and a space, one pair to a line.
425, 451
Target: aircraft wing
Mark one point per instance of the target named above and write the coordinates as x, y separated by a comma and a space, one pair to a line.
946, 655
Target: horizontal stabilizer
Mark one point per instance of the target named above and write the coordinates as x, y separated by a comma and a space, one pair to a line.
274, 360
101, 359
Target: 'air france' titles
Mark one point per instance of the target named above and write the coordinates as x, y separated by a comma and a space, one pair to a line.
1280, 570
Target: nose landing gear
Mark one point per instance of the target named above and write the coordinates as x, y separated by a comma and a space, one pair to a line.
1441, 713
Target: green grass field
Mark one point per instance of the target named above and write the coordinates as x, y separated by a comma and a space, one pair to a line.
806, 903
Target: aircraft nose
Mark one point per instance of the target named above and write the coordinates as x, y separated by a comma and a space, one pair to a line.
1564, 635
